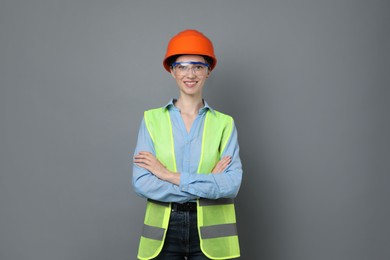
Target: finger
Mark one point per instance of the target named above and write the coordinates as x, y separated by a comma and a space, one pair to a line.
224, 161
143, 157
224, 164
145, 153
227, 158
218, 169
140, 160
142, 164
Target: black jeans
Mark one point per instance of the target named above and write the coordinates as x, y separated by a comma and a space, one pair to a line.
182, 239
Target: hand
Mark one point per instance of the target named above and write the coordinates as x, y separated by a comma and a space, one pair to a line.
149, 162
222, 164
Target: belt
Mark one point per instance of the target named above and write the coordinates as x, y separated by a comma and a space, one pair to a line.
188, 206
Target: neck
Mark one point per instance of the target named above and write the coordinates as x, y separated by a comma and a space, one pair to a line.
189, 105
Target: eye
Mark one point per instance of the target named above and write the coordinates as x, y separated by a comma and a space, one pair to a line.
182, 67
199, 68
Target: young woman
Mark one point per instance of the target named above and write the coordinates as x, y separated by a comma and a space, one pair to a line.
187, 164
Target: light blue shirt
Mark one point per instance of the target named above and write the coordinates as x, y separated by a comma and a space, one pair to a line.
187, 151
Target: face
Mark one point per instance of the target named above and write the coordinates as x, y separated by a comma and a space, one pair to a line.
189, 83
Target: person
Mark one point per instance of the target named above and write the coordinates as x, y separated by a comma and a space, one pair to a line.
187, 164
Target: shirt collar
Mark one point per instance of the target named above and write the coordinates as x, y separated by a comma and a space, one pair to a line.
171, 105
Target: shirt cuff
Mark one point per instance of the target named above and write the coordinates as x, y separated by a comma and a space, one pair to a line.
184, 181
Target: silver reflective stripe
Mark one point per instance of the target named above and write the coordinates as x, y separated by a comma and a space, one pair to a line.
223, 230
151, 232
165, 204
207, 202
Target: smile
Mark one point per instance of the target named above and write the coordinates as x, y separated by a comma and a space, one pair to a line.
190, 83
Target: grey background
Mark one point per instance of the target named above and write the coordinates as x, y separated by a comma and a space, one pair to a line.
306, 81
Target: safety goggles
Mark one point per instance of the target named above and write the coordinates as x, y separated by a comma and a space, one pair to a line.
198, 68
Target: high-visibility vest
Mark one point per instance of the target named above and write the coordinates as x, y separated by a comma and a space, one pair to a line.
216, 218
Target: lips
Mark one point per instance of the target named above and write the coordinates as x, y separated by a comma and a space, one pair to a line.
190, 84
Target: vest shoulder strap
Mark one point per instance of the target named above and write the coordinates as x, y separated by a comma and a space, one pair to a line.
158, 123
222, 122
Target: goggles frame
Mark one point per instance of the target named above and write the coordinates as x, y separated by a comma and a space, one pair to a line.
186, 63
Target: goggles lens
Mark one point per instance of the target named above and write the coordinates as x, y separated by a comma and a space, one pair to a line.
198, 68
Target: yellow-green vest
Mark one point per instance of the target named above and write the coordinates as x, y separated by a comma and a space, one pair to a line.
216, 218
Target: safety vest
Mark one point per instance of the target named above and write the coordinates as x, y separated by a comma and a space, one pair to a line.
216, 218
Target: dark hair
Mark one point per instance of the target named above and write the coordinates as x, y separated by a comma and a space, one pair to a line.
173, 58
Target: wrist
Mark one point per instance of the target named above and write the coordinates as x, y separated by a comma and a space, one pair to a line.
172, 177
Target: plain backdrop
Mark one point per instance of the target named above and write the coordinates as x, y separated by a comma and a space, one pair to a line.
307, 83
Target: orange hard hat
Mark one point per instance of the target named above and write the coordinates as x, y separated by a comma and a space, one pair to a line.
190, 42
